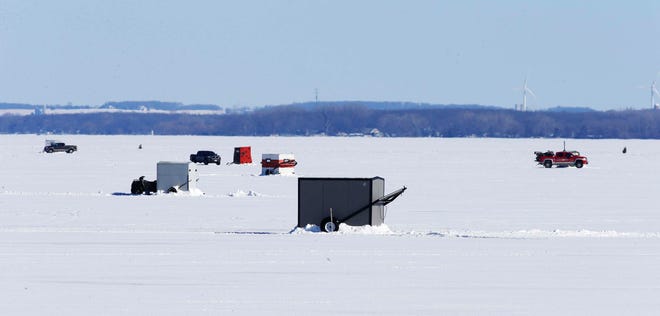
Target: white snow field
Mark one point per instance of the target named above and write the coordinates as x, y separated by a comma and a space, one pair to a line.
481, 230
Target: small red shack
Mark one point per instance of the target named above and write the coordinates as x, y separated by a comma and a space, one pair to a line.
242, 155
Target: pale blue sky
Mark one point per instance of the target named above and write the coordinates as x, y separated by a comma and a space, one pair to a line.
253, 53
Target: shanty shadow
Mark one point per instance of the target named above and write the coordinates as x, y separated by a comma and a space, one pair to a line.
248, 233
129, 194
121, 194
449, 235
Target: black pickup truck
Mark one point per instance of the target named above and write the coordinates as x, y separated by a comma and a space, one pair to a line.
205, 156
55, 146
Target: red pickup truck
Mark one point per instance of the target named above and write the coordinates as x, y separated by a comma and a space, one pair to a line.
560, 159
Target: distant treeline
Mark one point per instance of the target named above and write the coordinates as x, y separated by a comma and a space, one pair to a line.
357, 119
121, 105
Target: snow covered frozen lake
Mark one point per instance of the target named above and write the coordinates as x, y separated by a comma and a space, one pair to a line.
481, 230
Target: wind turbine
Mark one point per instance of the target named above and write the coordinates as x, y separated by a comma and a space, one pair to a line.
525, 91
654, 91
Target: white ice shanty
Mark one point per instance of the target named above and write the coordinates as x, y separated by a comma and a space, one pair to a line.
278, 164
176, 176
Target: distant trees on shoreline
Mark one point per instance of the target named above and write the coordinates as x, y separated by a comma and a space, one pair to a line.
346, 120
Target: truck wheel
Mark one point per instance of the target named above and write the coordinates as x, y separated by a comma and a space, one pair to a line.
547, 164
206, 162
49, 150
578, 164
69, 151
329, 226
217, 162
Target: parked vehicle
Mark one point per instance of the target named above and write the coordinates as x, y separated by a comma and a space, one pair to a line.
141, 186
206, 157
562, 158
59, 146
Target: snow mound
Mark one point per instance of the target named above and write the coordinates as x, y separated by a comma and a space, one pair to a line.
310, 228
175, 191
195, 192
381, 229
347, 230
241, 193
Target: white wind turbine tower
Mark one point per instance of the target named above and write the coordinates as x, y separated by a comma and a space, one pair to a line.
525, 91
654, 91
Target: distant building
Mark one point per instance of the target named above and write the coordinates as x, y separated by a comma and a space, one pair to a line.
277, 164
376, 133
40, 110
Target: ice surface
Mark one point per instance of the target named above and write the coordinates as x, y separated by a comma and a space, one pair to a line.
480, 230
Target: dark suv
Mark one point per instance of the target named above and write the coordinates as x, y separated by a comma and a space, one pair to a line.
205, 156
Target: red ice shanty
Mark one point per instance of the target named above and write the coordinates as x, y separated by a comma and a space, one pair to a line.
242, 155
277, 164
